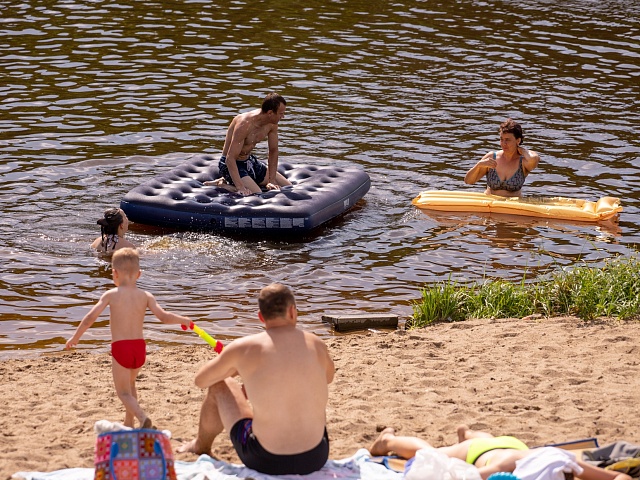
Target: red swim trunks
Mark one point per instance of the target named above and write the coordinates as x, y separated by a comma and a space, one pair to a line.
129, 353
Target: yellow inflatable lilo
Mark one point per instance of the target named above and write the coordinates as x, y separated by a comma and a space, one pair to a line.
535, 206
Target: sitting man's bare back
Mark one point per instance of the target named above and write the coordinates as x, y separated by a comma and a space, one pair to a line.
279, 427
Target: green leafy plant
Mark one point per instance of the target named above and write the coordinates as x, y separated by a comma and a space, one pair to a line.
586, 291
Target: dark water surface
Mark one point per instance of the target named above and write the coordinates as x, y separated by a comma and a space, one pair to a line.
99, 96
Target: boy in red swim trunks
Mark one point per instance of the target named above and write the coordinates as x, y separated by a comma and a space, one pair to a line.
128, 305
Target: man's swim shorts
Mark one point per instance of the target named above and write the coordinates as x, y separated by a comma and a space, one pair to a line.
251, 167
129, 353
254, 456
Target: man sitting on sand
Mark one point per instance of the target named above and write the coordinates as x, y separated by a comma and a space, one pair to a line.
488, 453
285, 372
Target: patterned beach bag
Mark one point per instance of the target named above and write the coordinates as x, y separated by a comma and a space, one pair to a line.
142, 454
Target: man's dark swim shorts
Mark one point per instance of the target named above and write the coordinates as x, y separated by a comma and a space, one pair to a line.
251, 167
254, 456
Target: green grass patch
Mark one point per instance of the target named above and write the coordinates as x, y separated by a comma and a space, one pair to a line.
588, 292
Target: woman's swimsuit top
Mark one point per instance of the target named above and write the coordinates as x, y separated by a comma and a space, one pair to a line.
512, 184
110, 240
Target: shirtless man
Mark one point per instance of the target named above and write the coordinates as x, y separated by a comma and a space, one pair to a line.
239, 168
488, 453
277, 419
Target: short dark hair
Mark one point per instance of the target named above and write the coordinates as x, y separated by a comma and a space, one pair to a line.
274, 300
271, 102
510, 126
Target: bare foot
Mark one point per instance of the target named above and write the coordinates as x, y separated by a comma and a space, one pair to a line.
192, 447
216, 182
465, 433
147, 423
379, 446
219, 182
462, 432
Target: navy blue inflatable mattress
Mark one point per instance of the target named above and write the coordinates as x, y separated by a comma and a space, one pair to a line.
178, 199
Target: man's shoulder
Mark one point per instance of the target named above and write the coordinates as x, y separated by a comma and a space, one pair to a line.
267, 338
243, 122
244, 116
248, 341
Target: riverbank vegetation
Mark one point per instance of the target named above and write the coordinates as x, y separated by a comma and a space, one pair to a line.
588, 292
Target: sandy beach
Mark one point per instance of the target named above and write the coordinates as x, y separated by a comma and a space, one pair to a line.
543, 380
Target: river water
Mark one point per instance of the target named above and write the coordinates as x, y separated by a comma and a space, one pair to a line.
98, 96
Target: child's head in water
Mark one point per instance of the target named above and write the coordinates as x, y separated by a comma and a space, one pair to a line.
113, 226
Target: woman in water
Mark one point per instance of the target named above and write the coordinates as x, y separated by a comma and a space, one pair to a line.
113, 227
505, 169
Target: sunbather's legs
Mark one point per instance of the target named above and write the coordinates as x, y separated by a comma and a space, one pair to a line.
405, 447
465, 436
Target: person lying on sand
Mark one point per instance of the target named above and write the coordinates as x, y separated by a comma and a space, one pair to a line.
488, 453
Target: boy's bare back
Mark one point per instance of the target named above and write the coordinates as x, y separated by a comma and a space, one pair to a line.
127, 305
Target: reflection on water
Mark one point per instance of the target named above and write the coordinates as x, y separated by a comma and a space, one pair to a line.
99, 96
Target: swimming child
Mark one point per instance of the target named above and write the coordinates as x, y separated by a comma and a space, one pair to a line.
128, 305
113, 227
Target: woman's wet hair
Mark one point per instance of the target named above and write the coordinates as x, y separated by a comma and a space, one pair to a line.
109, 224
510, 126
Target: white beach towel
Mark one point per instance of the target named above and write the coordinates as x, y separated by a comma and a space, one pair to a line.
431, 464
357, 467
547, 463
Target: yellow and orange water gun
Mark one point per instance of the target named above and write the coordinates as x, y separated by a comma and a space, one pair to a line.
217, 346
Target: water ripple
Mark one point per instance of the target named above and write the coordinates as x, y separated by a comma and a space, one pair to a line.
101, 96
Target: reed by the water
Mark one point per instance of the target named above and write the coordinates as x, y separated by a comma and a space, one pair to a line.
586, 291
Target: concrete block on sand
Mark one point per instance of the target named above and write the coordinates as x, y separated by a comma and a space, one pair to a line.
343, 323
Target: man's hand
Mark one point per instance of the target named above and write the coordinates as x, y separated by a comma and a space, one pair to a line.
272, 186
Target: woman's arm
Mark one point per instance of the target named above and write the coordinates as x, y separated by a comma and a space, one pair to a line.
480, 169
530, 159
